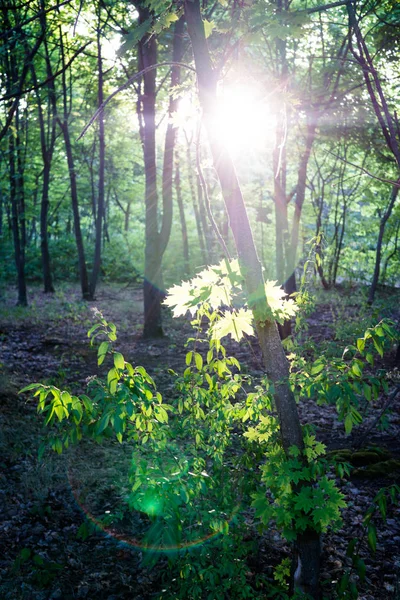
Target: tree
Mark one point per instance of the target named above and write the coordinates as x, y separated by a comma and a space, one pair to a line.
275, 362
387, 121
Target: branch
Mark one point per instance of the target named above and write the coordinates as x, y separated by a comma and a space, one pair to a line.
127, 84
309, 11
389, 181
49, 79
39, 14
207, 198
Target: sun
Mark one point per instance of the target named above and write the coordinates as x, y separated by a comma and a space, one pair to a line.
245, 121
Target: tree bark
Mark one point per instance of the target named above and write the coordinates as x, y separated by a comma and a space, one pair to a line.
378, 255
47, 141
100, 196
152, 258
275, 362
182, 217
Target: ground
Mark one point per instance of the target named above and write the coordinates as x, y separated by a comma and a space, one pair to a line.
44, 504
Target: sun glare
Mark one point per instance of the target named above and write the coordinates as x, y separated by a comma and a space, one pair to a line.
244, 121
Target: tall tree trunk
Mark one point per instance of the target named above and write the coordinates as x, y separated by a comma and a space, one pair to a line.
18, 236
47, 141
100, 195
179, 200
170, 138
275, 362
378, 255
152, 258
64, 126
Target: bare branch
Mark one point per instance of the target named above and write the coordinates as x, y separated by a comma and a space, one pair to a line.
389, 181
127, 84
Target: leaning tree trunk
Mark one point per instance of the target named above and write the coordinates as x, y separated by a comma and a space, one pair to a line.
275, 362
378, 255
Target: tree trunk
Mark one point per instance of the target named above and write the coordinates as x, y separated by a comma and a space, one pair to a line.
179, 200
19, 245
170, 138
197, 214
64, 126
378, 255
100, 196
275, 362
290, 284
47, 141
152, 258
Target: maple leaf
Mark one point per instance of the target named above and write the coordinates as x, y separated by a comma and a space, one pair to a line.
235, 323
179, 299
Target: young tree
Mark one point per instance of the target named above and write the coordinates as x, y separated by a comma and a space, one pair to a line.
275, 362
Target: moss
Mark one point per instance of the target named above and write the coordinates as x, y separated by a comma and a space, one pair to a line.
380, 469
369, 457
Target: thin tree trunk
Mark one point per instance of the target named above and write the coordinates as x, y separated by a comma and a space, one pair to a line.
170, 139
179, 200
47, 141
19, 248
275, 362
64, 126
197, 215
290, 284
378, 255
100, 196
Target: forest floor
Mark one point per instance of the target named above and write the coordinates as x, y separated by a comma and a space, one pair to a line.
43, 504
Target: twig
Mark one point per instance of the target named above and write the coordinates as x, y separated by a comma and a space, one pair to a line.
207, 198
127, 84
390, 181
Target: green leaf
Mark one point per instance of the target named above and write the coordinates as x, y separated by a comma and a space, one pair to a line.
103, 423
31, 386
161, 414
208, 27
317, 367
370, 359
134, 36
378, 345
112, 380
355, 369
93, 329
348, 423
360, 344
189, 357
101, 352
235, 324
119, 361
198, 359
372, 537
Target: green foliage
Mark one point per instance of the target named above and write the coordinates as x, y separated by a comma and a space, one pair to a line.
348, 585
298, 495
42, 570
346, 382
221, 286
126, 405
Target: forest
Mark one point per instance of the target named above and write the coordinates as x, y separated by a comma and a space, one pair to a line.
199, 299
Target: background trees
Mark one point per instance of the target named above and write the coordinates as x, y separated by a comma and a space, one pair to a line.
325, 78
